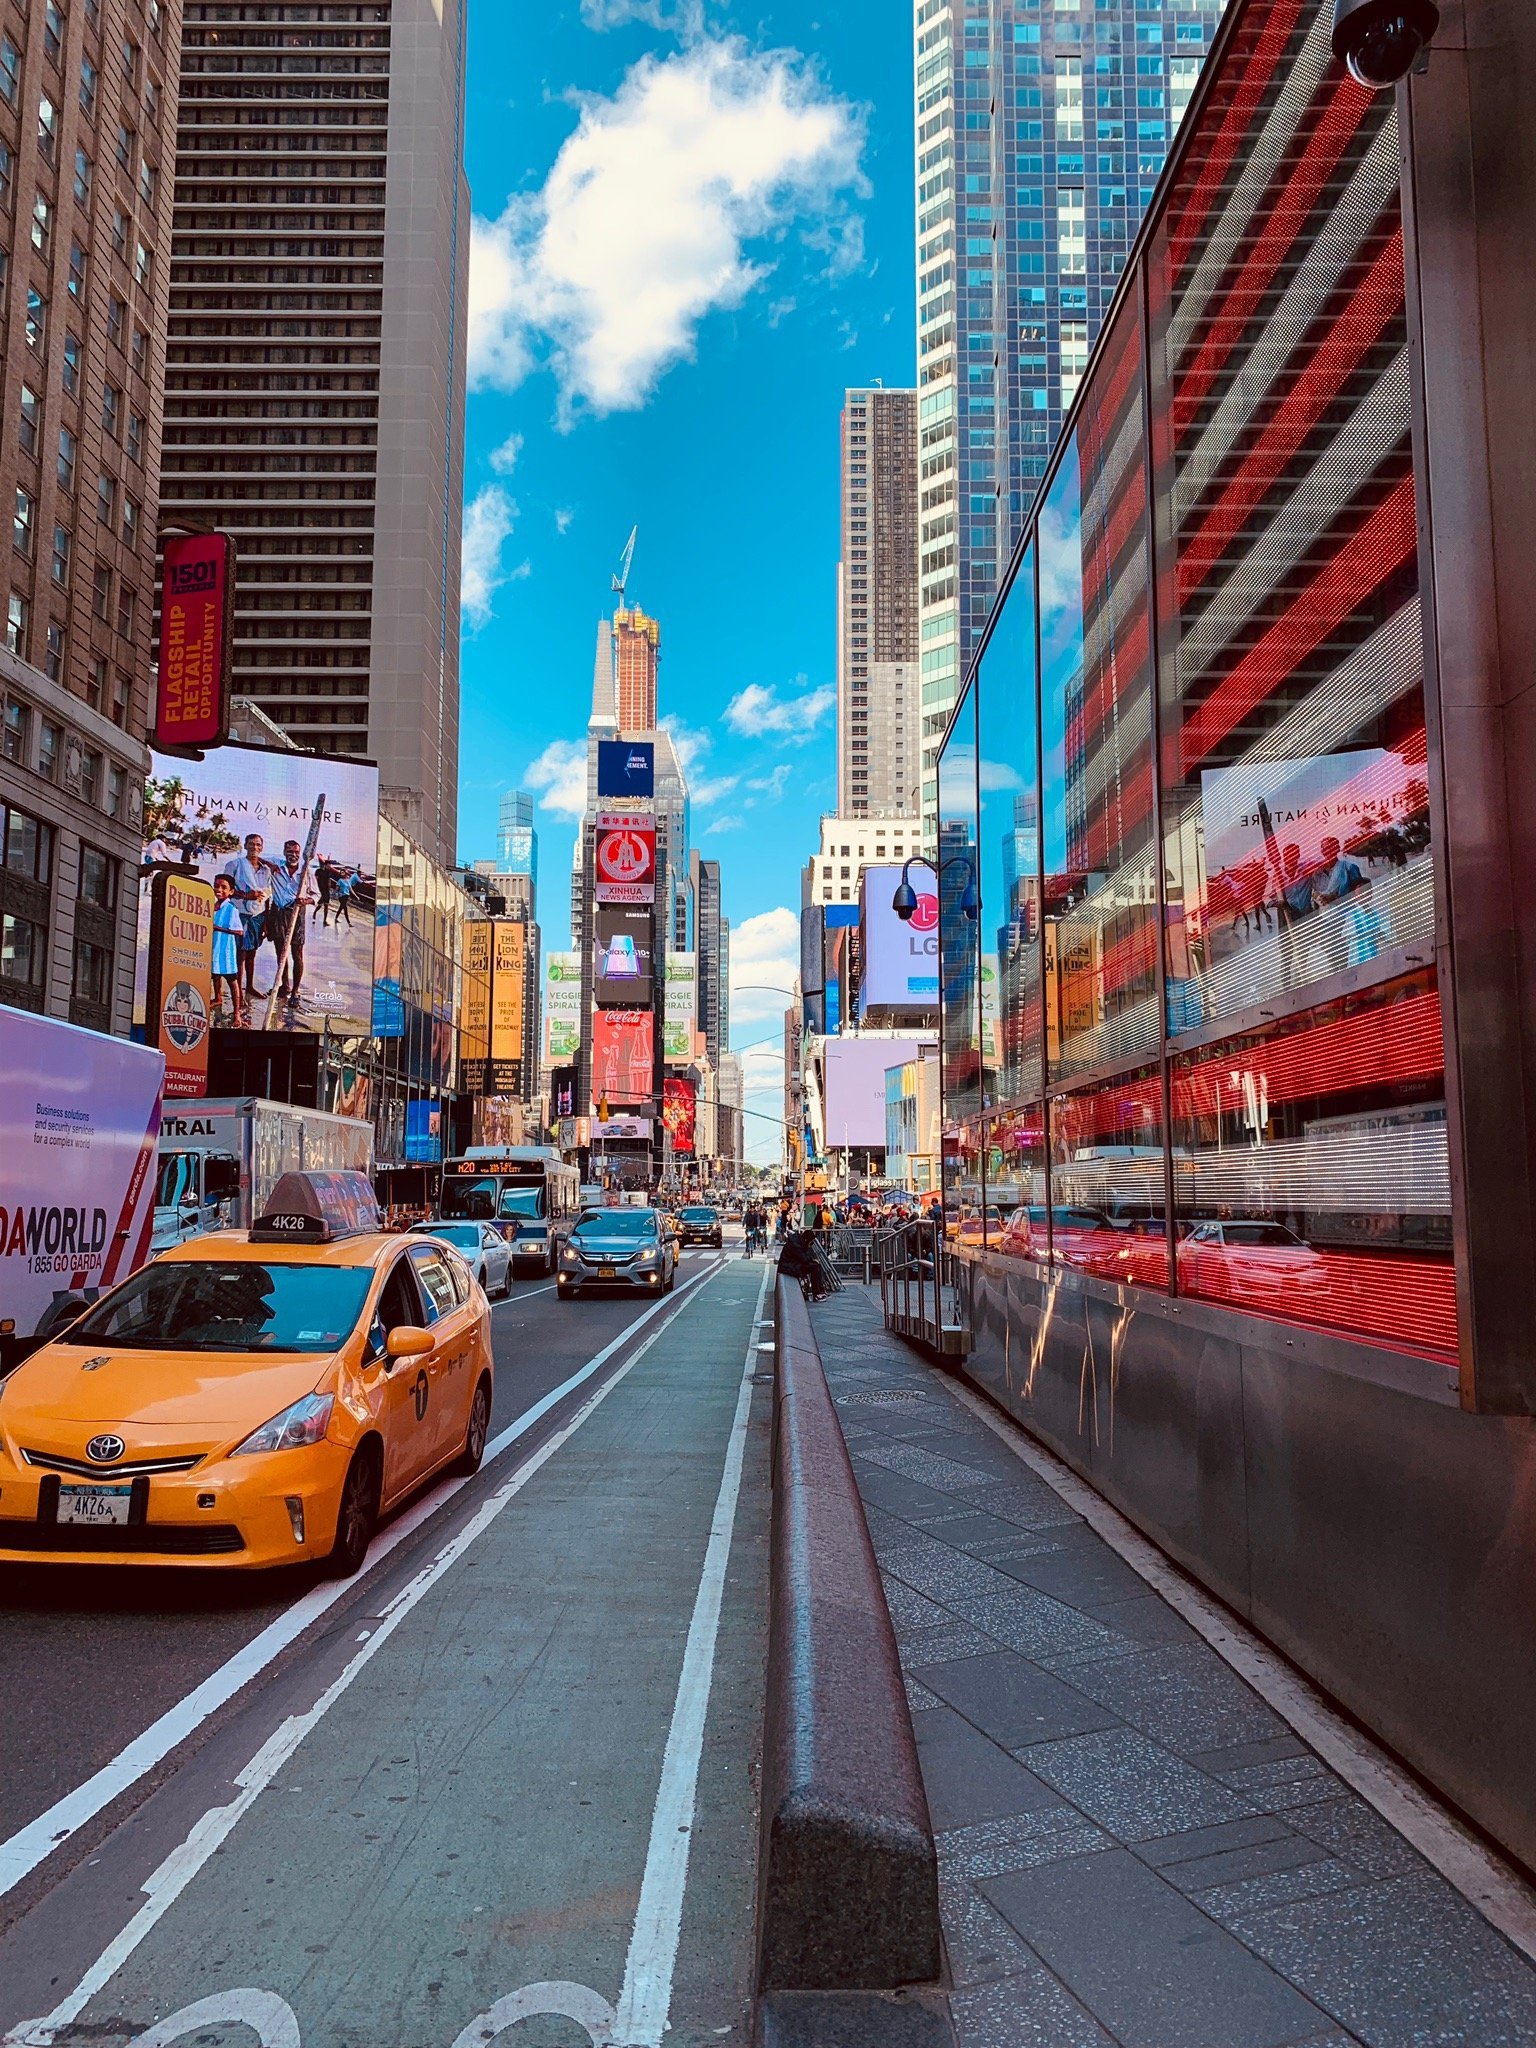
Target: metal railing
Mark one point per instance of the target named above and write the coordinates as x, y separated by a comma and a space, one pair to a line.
924, 1287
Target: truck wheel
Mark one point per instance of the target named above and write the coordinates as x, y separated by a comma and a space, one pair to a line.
358, 1515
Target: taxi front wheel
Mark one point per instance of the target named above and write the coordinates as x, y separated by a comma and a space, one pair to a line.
358, 1514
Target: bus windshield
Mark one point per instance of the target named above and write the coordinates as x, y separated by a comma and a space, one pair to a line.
473, 1200
522, 1201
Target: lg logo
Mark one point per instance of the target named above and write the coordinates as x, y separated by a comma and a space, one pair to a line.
925, 918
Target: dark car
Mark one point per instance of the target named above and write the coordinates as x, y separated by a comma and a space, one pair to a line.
618, 1248
701, 1226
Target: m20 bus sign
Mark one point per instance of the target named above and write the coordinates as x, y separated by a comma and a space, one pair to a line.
196, 611
626, 857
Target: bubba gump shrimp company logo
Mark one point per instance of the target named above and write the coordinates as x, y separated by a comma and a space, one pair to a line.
184, 1017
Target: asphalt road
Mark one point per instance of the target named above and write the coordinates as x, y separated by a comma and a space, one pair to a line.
91, 1658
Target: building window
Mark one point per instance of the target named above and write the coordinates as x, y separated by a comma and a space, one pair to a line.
37, 319
90, 775
10, 71
120, 232
71, 366
117, 314
76, 270
7, 166
22, 522
111, 408
123, 148
98, 878
42, 224
53, 654
53, 32
48, 750
122, 698
135, 438
87, 87
13, 730
127, 609
28, 846
47, 130
141, 351
143, 264
130, 521
93, 974
96, 678
82, 177
31, 416
16, 630
106, 500
68, 447
117, 790
131, 62
101, 593
148, 180
61, 551
23, 951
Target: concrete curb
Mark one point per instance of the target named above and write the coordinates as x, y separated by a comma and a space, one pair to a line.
848, 1878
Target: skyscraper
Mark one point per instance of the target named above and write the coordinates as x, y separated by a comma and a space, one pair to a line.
1041, 132
712, 943
517, 840
637, 648
878, 711
87, 141
315, 375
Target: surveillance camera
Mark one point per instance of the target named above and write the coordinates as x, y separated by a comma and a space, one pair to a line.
1381, 40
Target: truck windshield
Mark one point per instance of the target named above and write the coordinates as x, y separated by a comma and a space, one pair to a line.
178, 1180
235, 1305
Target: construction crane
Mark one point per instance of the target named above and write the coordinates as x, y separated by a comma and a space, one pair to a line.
621, 580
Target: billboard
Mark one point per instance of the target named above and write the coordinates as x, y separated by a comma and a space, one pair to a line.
682, 1006
901, 960
197, 607
621, 954
509, 965
626, 768
854, 1081
617, 1127
680, 1113
179, 998
251, 813
622, 1047
562, 1007
562, 1093
475, 1002
424, 1132
625, 857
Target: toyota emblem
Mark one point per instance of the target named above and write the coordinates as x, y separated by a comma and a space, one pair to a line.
105, 1450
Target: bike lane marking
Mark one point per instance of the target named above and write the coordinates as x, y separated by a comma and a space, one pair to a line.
31, 1845
165, 1885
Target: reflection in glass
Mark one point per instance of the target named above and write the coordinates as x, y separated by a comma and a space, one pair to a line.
1107, 1180
959, 952
1311, 1170
1096, 693
1012, 1013
1296, 800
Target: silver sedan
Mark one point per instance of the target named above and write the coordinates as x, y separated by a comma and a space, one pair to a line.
484, 1250
630, 1248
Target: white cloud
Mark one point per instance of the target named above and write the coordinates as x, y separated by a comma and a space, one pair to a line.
563, 517
758, 713
996, 775
765, 958
504, 458
642, 227
771, 786
560, 772
712, 789
686, 19
725, 824
488, 521
692, 749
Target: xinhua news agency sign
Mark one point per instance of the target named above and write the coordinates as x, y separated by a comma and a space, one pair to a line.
626, 857
196, 614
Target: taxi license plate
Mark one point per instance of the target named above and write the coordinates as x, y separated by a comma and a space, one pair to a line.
607, 1272
95, 1506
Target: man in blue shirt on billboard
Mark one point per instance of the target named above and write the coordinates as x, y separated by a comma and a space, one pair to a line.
291, 894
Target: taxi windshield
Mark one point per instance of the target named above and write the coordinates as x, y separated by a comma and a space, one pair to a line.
616, 1223
238, 1305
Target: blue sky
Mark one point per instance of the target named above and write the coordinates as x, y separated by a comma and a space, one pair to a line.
693, 231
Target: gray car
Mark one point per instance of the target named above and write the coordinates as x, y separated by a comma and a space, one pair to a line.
621, 1248
485, 1251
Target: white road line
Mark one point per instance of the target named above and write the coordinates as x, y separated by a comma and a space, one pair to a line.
645, 2000
214, 1827
22, 1852
1482, 1877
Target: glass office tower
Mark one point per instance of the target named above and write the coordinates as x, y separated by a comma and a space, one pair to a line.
1042, 126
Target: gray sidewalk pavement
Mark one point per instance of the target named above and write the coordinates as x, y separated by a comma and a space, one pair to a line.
1135, 1850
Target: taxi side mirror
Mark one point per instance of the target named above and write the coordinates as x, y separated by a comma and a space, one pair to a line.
408, 1341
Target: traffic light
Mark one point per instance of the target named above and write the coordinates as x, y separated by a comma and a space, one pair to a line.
602, 1109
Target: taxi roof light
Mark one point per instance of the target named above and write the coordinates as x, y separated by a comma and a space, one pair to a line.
318, 1208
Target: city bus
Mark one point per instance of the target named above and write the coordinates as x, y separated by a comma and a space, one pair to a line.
526, 1191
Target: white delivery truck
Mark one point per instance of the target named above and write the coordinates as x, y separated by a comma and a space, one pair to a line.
79, 1118
220, 1158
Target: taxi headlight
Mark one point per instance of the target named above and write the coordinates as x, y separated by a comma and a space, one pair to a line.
304, 1423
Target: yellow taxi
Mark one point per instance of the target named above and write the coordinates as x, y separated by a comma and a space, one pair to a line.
250, 1398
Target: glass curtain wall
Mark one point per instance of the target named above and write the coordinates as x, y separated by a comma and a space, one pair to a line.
1217, 1062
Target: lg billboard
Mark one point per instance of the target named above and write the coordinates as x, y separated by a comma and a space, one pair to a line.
901, 959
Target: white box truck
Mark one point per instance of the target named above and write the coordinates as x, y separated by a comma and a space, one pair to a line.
79, 1120
221, 1156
